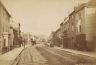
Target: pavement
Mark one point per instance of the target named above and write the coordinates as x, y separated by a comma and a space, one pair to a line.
9, 57
85, 53
56, 56
36, 58
30, 56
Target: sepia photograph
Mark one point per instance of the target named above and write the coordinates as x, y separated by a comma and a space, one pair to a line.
47, 32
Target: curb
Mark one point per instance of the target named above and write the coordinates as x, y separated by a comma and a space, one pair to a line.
79, 53
15, 61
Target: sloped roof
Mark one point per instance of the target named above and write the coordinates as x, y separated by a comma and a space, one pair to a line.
5, 8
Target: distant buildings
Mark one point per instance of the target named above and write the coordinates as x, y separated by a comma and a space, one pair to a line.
15, 33
56, 37
27, 38
77, 31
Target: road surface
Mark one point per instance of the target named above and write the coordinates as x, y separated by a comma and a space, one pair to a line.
51, 56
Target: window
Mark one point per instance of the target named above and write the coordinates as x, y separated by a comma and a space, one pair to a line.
0, 44
79, 25
72, 16
77, 17
72, 28
80, 28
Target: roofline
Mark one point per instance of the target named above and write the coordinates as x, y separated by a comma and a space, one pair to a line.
57, 30
5, 8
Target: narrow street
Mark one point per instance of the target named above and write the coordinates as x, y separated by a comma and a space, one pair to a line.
47, 32
49, 56
29, 56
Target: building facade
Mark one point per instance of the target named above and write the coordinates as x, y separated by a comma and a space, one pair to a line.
4, 28
16, 33
81, 27
90, 25
84, 25
78, 29
58, 37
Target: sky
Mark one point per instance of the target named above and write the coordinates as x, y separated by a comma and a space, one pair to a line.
40, 16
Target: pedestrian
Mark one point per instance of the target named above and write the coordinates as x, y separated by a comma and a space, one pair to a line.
34, 42
31, 41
